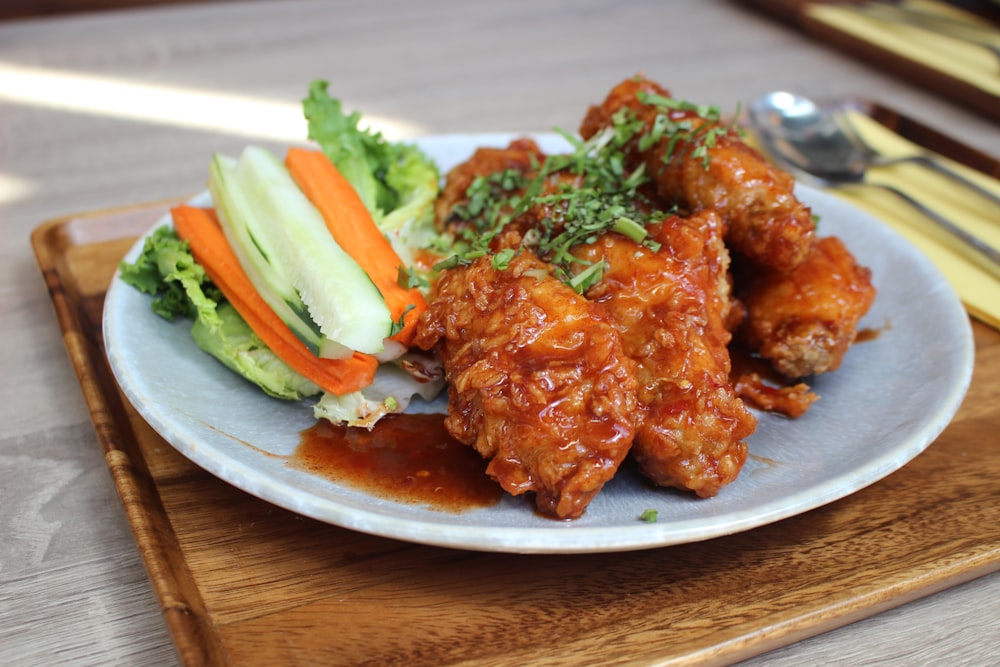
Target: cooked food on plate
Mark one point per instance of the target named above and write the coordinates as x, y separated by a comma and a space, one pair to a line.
697, 162
580, 307
670, 307
803, 321
538, 380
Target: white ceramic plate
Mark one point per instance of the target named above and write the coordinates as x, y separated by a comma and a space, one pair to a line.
888, 402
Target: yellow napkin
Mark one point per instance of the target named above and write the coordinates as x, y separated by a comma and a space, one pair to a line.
960, 60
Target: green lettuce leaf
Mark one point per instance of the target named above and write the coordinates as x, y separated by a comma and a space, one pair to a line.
235, 344
167, 270
397, 182
361, 156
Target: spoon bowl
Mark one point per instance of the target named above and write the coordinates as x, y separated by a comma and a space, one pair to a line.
801, 134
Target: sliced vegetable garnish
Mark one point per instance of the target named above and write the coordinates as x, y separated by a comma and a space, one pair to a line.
242, 224
354, 229
200, 228
341, 297
396, 181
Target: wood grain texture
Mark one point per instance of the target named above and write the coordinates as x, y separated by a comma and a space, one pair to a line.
243, 582
73, 589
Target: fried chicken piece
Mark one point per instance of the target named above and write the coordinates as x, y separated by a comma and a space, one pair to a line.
803, 322
521, 155
764, 219
538, 381
670, 307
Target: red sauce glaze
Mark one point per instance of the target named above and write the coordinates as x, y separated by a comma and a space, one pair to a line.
865, 335
405, 458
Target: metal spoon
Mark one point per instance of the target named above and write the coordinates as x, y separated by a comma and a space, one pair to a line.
817, 144
833, 139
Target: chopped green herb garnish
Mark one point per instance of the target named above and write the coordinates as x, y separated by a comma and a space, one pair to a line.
649, 516
399, 324
583, 193
698, 139
408, 278
501, 260
591, 275
630, 228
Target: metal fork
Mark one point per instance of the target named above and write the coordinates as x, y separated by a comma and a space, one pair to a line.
873, 157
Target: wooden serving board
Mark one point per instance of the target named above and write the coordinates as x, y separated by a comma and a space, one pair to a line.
243, 582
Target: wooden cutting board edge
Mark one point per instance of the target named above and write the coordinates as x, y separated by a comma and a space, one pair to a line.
181, 604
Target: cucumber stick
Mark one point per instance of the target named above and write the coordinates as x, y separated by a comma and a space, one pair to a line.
241, 224
341, 299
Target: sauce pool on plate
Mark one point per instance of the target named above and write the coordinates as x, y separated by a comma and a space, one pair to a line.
404, 458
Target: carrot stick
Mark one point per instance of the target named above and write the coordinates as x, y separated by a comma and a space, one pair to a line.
200, 228
355, 231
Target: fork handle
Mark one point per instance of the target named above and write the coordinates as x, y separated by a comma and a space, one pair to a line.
984, 250
931, 163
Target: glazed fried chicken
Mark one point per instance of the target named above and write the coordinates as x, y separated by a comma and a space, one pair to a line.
582, 319
501, 174
521, 156
671, 306
538, 381
758, 391
804, 321
764, 219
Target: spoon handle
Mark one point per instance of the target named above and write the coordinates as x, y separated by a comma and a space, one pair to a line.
984, 250
931, 163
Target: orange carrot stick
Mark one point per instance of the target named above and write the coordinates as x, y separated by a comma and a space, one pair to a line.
355, 231
200, 228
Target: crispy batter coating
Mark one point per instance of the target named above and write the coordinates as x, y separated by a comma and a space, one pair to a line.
671, 307
764, 219
803, 322
538, 380
555, 388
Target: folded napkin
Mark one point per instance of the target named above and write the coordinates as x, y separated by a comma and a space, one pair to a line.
958, 59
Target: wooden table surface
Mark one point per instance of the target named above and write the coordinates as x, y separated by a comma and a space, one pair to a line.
125, 107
